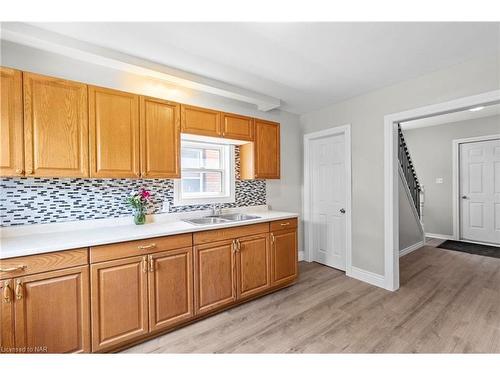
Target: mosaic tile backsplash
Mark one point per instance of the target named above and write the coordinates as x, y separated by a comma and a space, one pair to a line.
50, 200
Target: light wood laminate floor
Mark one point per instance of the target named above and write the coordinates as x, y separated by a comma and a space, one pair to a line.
448, 302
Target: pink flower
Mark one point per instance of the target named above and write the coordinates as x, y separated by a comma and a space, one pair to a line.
145, 194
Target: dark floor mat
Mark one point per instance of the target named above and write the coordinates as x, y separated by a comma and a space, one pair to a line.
471, 248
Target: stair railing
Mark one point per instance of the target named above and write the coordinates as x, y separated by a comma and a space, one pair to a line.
409, 173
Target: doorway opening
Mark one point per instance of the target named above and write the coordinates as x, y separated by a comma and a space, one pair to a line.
392, 172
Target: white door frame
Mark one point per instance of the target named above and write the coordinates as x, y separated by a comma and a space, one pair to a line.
346, 131
456, 177
391, 203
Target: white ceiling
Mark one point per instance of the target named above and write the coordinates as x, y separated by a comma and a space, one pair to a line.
306, 65
487, 111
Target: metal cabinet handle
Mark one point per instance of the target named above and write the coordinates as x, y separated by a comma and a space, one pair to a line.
285, 224
342, 211
19, 289
7, 292
151, 264
15, 268
272, 238
19, 171
144, 265
145, 247
238, 244
465, 197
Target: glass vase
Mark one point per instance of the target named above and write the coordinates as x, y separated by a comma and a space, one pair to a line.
139, 216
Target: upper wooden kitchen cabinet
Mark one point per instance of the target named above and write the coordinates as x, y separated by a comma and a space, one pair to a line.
261, 158
55, 127
114, 133
119, 301
11, 123
200, 121
160, 138
237, 127
52, 312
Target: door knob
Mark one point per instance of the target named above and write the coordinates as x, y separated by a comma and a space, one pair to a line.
342, 211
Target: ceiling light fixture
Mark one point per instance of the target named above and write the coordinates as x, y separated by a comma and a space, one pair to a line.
475, 109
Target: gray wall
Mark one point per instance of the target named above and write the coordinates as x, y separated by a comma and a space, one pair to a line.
283, 194
410, 231
431, 151
366, 115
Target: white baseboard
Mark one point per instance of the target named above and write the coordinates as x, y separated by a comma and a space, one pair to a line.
411, 248
440, 236
367, 277
301, 256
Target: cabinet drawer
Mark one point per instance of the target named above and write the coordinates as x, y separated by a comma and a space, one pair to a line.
42, 263
140, 247
229, 233
283, 224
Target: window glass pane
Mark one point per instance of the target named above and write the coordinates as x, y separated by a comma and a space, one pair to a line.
212, 182
212, 159
191, 158
191, 182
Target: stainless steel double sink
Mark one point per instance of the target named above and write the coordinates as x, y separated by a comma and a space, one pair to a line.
220, 219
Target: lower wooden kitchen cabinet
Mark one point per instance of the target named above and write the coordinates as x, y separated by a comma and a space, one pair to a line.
138, 295
283, 259
253, 266
215, 276
119, 290
46, 312
170, 281
7, 339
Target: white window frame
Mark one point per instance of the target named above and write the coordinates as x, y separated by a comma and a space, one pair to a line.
228, 177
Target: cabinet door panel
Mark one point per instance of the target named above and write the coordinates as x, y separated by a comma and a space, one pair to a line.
267, 149
237, 127
119, 301
215, 276
11, 123
6, 315
170, 288
160, 138
253, 265
52, 311
114, 133
200, 121
284, 256
55, 127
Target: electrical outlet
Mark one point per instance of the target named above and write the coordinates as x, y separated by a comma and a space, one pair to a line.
165, 207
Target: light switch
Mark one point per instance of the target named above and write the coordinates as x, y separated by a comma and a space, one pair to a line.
439, 180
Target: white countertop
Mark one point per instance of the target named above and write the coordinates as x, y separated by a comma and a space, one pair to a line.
45, 238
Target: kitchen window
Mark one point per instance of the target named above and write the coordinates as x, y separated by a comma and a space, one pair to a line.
207, 174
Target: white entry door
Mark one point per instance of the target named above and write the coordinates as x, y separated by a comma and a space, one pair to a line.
480, 191
328, 200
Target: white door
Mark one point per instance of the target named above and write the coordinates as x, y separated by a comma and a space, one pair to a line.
328, 200
480, 191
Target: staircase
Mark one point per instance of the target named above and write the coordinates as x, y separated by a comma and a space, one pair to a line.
407, 169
